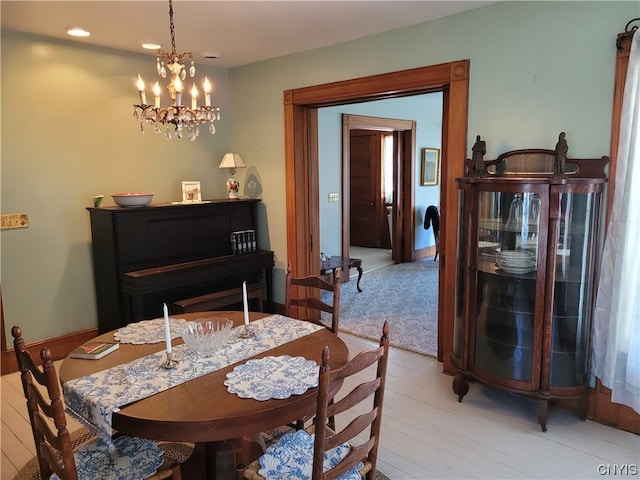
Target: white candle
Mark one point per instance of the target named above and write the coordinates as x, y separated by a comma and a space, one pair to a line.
178, 87
194, 97
156, 92
143, 97
207, 92
167, 331
244, 303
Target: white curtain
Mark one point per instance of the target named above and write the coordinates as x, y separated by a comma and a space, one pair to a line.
616, 328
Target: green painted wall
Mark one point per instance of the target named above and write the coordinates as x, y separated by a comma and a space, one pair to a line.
68, 133
67, 130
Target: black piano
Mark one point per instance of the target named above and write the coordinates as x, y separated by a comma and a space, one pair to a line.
146, 256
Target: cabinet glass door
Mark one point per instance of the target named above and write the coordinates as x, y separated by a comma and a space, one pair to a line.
574, 284
506, 283
461, 262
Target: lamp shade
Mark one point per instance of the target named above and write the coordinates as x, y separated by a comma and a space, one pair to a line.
231, 160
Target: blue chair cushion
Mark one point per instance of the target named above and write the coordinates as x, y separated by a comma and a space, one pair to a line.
291, 458
124, 458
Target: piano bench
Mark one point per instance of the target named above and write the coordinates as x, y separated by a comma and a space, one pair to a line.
215, 300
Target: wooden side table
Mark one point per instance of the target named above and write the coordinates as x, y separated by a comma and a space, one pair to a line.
328, 267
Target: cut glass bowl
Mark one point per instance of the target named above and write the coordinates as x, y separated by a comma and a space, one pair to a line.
206, 335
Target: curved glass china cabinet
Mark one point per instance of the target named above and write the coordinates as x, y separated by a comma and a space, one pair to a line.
527, 256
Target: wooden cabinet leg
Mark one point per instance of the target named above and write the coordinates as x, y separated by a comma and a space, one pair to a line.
543, 407
584, 407
460, 386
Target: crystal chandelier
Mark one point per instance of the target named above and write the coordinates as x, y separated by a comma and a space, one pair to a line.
177, 117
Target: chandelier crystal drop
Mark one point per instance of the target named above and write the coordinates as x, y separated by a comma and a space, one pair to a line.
176, 119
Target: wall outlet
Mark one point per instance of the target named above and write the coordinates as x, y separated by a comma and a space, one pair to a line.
334, 197
14, 220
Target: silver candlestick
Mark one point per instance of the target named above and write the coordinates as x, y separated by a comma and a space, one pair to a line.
170, 362
247, 332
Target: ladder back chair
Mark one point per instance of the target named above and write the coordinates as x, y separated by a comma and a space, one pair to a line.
356, 457
55, 452
314, 305
313, 286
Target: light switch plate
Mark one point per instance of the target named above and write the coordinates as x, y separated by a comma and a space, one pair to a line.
334, 197
14, 220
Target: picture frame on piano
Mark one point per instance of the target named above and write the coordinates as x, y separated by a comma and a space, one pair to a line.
191, 192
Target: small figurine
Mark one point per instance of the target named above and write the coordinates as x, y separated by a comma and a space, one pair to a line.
561, 154
477, 159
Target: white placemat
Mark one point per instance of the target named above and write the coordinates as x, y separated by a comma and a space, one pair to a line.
148, 331
273, 377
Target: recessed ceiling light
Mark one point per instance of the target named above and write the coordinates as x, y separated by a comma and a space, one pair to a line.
78, 32
210, 55
150, 45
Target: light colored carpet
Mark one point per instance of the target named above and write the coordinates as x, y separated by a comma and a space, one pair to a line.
406, 294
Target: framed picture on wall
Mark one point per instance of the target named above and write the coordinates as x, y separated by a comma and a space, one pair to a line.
430, 167
191, 192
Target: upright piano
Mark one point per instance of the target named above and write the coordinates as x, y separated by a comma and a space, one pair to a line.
146, 256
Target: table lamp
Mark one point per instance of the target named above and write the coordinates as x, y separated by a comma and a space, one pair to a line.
232, 161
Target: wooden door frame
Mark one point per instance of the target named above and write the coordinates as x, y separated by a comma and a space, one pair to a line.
301, 166
404, 161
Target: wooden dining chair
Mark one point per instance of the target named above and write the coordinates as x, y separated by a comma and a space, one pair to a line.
133, 457
311, 299
292, 453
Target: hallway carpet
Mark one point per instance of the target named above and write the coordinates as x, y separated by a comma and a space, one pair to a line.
406, 294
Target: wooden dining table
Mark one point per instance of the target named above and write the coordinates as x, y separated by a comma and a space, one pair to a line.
201, 410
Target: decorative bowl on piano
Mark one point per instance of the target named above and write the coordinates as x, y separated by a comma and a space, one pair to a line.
132, 199
206, 335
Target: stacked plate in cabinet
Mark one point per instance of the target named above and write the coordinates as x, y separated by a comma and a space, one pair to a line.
516, 261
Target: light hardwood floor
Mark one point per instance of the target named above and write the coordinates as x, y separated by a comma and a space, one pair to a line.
372, 258
427, 434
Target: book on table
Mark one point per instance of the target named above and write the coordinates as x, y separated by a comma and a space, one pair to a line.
94, 350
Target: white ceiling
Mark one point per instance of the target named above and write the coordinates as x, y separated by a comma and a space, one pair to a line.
241, 32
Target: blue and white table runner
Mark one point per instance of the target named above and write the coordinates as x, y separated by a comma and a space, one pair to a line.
92, 399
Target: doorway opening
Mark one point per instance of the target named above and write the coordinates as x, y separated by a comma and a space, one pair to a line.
301, 165
381, 176
365, 185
